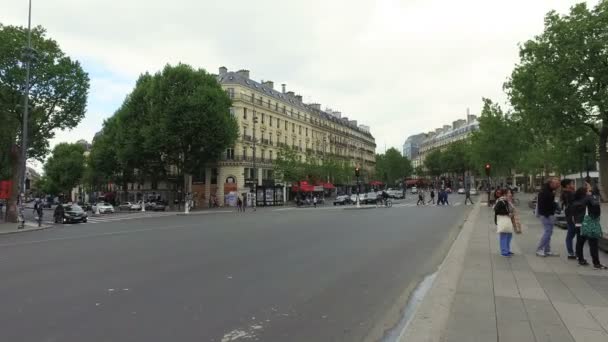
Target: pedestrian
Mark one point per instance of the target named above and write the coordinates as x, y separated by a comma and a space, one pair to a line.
314, 201
468, 196
432, 196
586, 216
239, 204
567, 198
59, 213
420, 198
440, 197
504, 224
38, 211
545, 210
445, 197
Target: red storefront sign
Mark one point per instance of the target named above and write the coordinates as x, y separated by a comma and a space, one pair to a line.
5, 189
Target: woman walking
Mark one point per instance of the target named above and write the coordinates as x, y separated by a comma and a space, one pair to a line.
585, 214
504, 225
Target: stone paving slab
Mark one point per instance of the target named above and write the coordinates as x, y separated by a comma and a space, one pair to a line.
525, 297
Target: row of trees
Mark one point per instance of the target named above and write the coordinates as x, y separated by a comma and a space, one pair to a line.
289, 167
392, 167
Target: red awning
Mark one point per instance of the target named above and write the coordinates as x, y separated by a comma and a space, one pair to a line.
328, 186
304, 187
411, 181
375, 183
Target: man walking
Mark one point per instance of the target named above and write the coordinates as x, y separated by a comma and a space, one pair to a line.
468, 196
432, 196
567, 198
545, 210
420, 198
314, 201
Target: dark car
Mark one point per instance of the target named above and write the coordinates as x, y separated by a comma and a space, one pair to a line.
342, 200
73, 213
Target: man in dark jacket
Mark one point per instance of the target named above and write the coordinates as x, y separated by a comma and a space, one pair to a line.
545, 210
567, 198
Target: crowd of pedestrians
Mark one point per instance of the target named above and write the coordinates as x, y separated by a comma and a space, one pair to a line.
582, 212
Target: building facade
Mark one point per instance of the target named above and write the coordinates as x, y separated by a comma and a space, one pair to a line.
268, 120
411, 147
441, 137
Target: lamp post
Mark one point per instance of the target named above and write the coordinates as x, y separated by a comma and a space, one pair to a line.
28, 55
255, 170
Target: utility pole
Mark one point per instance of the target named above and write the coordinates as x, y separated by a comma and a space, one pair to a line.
28, 55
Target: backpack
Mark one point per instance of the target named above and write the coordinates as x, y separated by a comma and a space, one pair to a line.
501, 208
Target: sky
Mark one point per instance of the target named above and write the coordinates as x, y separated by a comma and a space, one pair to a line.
401, 67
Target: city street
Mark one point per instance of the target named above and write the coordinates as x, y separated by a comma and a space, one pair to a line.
277, 274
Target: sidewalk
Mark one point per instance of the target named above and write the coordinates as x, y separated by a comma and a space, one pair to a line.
523, 298
10, 228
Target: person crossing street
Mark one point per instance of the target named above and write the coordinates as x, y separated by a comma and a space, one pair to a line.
468, 196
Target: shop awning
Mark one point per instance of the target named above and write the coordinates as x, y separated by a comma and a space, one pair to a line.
304, 187
375, 183
328, 186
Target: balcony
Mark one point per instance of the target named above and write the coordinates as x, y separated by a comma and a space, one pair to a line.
265, 142
247, 138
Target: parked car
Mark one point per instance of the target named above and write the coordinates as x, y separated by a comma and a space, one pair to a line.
129, 206
353, 198
342, 200
461, 191
103, 207
73, 213
155, 206
473, 192
395, 193
371, 197
414, 190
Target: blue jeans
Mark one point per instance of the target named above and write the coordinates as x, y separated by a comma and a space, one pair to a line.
505, 243
545, 241
570, 237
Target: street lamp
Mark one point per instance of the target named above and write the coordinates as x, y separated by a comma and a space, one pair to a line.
28, 55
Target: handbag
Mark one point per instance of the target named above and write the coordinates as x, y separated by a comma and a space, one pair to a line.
504, 224
591, 227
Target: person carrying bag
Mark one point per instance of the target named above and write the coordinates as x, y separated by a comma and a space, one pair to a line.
586, 218
504, 224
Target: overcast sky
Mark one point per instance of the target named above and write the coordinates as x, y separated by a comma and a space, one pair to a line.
402, 67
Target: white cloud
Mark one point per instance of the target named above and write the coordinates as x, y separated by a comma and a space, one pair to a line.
400, 66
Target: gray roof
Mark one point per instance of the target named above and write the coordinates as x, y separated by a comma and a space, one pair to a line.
232, 77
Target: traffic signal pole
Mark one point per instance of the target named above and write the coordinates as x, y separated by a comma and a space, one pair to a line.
488, 171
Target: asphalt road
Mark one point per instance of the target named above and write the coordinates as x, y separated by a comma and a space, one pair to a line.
324, 274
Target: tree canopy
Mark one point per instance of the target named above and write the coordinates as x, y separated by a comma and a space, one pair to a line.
65, 167
392, 167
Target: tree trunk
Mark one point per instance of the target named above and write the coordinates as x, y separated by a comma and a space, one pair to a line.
11, 208
603, 154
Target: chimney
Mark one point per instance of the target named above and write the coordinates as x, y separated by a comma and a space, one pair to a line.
446, 127
316, 106
243, 73
471, 118
337, 114
353, 122
468, 112
291, 94
269, 84
299, 98
283, 86
223, 70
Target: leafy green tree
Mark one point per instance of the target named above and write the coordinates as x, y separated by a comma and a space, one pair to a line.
58, 95
288, 167
420, 171
392, 167
64, 169
457, 157
433, 163
560, 81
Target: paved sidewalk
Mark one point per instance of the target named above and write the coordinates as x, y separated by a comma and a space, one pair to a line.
522, 298
10, 228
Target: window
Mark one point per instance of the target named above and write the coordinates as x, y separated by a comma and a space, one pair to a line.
245, 113
232, 112
230, 92
284, 111
270, 138
252, 97
299, 129
268, 103
270, 156
276, 106
306, 131
244, 131
262, 117
286, 123
199, 177
278, 122
270, 120
229, 154
214, 176
263, 153
244, 152
293, 127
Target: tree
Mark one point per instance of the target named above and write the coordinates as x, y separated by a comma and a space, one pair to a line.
58, 94
287, 166
65, 167
392, 167
457, 157
433, 163
561, 80
496, 142
420, 171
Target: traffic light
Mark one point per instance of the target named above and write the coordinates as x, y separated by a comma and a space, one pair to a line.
488, 169
357, 171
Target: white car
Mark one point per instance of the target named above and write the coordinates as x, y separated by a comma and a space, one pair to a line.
414, 190
396, 193
461, 191
103, 207
473, 192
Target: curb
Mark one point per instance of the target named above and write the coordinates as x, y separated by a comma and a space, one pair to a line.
24, 230
430, 319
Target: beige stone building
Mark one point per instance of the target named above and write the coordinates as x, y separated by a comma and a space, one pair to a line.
282, 119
